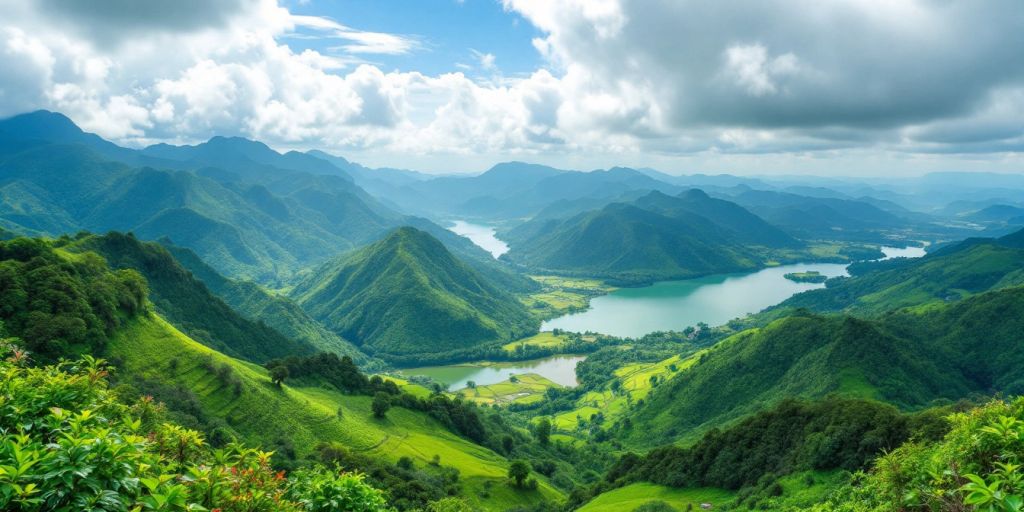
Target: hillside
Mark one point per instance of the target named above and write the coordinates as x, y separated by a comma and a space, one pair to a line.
187, 303
407, 295
276, 311
950, 273
655, 237
61, 303
909, 358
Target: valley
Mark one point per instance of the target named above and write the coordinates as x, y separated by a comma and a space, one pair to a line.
556, 340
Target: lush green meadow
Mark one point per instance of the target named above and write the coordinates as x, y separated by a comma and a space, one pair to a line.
628, 498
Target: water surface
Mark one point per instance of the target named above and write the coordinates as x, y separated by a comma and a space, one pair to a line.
675, 305
482, 236
559, 369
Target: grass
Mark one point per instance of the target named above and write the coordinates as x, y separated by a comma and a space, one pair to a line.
562, 295
544, 339
264, 414
628, 498
528, 388
636, 384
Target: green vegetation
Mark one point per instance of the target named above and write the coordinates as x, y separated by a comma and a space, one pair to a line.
976, 466
69, 444
186, 302
952, 273
406, 297
526, 388
276, 311
810, 276
656, 237
64, 306
634, 496
563, 295
910, 358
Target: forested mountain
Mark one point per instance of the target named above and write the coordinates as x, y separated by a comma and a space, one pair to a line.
654, 237
907, 357
277, 311
407, 295
245, 209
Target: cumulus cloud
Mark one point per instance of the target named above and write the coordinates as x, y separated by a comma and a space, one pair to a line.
623, 80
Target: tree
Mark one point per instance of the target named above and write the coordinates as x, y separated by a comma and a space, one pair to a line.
471, 384
518, 472
381, 404
543, 431
513, 379
278, 374
508, 444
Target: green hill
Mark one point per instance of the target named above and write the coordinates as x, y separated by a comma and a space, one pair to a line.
950, 273
188, 303
407, 295
656, 237
276, 311
59, 303
909, 358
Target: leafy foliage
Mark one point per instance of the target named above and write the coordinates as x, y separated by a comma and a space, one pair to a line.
61, 306
976, 466
68, 444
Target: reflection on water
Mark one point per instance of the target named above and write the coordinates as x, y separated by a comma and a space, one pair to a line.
559, 369
480, 235
714, 300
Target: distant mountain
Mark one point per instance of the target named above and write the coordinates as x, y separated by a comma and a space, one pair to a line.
652, 238
909, 358
247, 210
997, 213
188, 304
828, 218
515, 190
407, 295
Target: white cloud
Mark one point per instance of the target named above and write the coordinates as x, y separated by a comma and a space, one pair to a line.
625, 80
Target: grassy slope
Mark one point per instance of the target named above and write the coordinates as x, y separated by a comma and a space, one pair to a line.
636, 382
908, 358
628, 498
186, 302
262, 413
277, 311
529, 388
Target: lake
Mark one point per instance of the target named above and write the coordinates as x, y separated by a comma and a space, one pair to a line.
714, 300
559, 369
482, 236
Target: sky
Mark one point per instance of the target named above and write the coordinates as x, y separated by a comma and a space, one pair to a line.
838, 88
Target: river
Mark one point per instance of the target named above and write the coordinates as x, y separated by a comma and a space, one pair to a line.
482, 236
